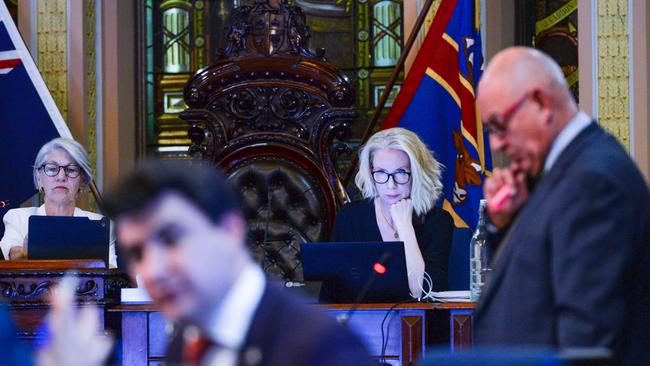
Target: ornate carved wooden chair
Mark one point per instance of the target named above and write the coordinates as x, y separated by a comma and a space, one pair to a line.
274, 116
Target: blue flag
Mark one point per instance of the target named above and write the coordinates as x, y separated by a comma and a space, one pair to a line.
437, 101
28, 116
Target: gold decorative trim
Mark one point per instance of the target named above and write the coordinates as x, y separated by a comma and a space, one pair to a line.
172, 130
428, 20
52, 38
91, 87
174, 81
557, 16
613, 69
168, 4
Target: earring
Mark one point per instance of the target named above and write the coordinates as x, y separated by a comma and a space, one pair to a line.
42, 190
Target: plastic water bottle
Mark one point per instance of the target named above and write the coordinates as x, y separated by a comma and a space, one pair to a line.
478, 255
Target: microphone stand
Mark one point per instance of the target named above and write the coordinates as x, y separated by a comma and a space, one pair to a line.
357, 301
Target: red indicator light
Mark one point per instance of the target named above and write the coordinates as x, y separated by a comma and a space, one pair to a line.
379, 268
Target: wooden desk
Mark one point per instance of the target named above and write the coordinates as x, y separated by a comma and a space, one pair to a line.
408, 329
26, 285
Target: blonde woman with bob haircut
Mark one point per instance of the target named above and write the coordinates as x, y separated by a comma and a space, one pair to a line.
400, 181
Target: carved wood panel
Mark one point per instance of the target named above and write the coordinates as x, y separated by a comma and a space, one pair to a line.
271, 102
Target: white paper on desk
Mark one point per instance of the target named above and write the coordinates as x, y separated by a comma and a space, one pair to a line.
459, 296
135, 295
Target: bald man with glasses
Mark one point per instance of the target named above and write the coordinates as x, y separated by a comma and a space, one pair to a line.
570, 220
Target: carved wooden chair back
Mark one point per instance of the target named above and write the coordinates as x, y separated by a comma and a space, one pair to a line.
275, 117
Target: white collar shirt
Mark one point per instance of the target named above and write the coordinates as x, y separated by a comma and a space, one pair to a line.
230, 323
578, 123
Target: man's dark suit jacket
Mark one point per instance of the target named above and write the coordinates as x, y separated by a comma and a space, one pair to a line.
574, 269
288, 332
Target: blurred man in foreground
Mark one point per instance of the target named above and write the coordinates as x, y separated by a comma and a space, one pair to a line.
182, 230
572, 213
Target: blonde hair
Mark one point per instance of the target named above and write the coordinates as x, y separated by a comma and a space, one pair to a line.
426, 171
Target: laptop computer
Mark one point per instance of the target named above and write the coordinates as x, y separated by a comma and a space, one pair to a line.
345, 268
68, 237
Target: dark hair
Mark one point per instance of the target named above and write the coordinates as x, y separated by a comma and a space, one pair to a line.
202, 185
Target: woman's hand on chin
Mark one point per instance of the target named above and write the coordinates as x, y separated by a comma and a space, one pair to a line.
17, 253
402, 212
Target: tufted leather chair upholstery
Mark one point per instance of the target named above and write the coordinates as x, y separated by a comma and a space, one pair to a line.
275, 117
283, 210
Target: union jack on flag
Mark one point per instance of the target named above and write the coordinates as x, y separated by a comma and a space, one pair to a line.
8, 61
28, 116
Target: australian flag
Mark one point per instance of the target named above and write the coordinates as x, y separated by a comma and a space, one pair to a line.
28, 116
437, 101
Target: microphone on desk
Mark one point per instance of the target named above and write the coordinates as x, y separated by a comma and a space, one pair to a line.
378, 268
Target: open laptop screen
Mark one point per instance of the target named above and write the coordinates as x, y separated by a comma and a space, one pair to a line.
345, 268
68, 237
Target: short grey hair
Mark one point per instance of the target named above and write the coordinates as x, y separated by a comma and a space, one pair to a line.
74, 149
426, 171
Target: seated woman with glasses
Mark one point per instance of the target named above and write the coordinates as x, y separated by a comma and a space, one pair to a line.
400, 181
61, 173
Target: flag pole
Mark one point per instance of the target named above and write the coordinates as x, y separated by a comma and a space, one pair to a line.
389, 86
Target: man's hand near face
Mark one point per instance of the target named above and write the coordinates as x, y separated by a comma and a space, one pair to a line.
75, 337
506, 192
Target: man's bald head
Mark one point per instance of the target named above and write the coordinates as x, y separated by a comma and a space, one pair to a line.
525, 103
516, 70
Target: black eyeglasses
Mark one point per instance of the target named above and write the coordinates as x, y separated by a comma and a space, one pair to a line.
52, 170
399, 176
498, 125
